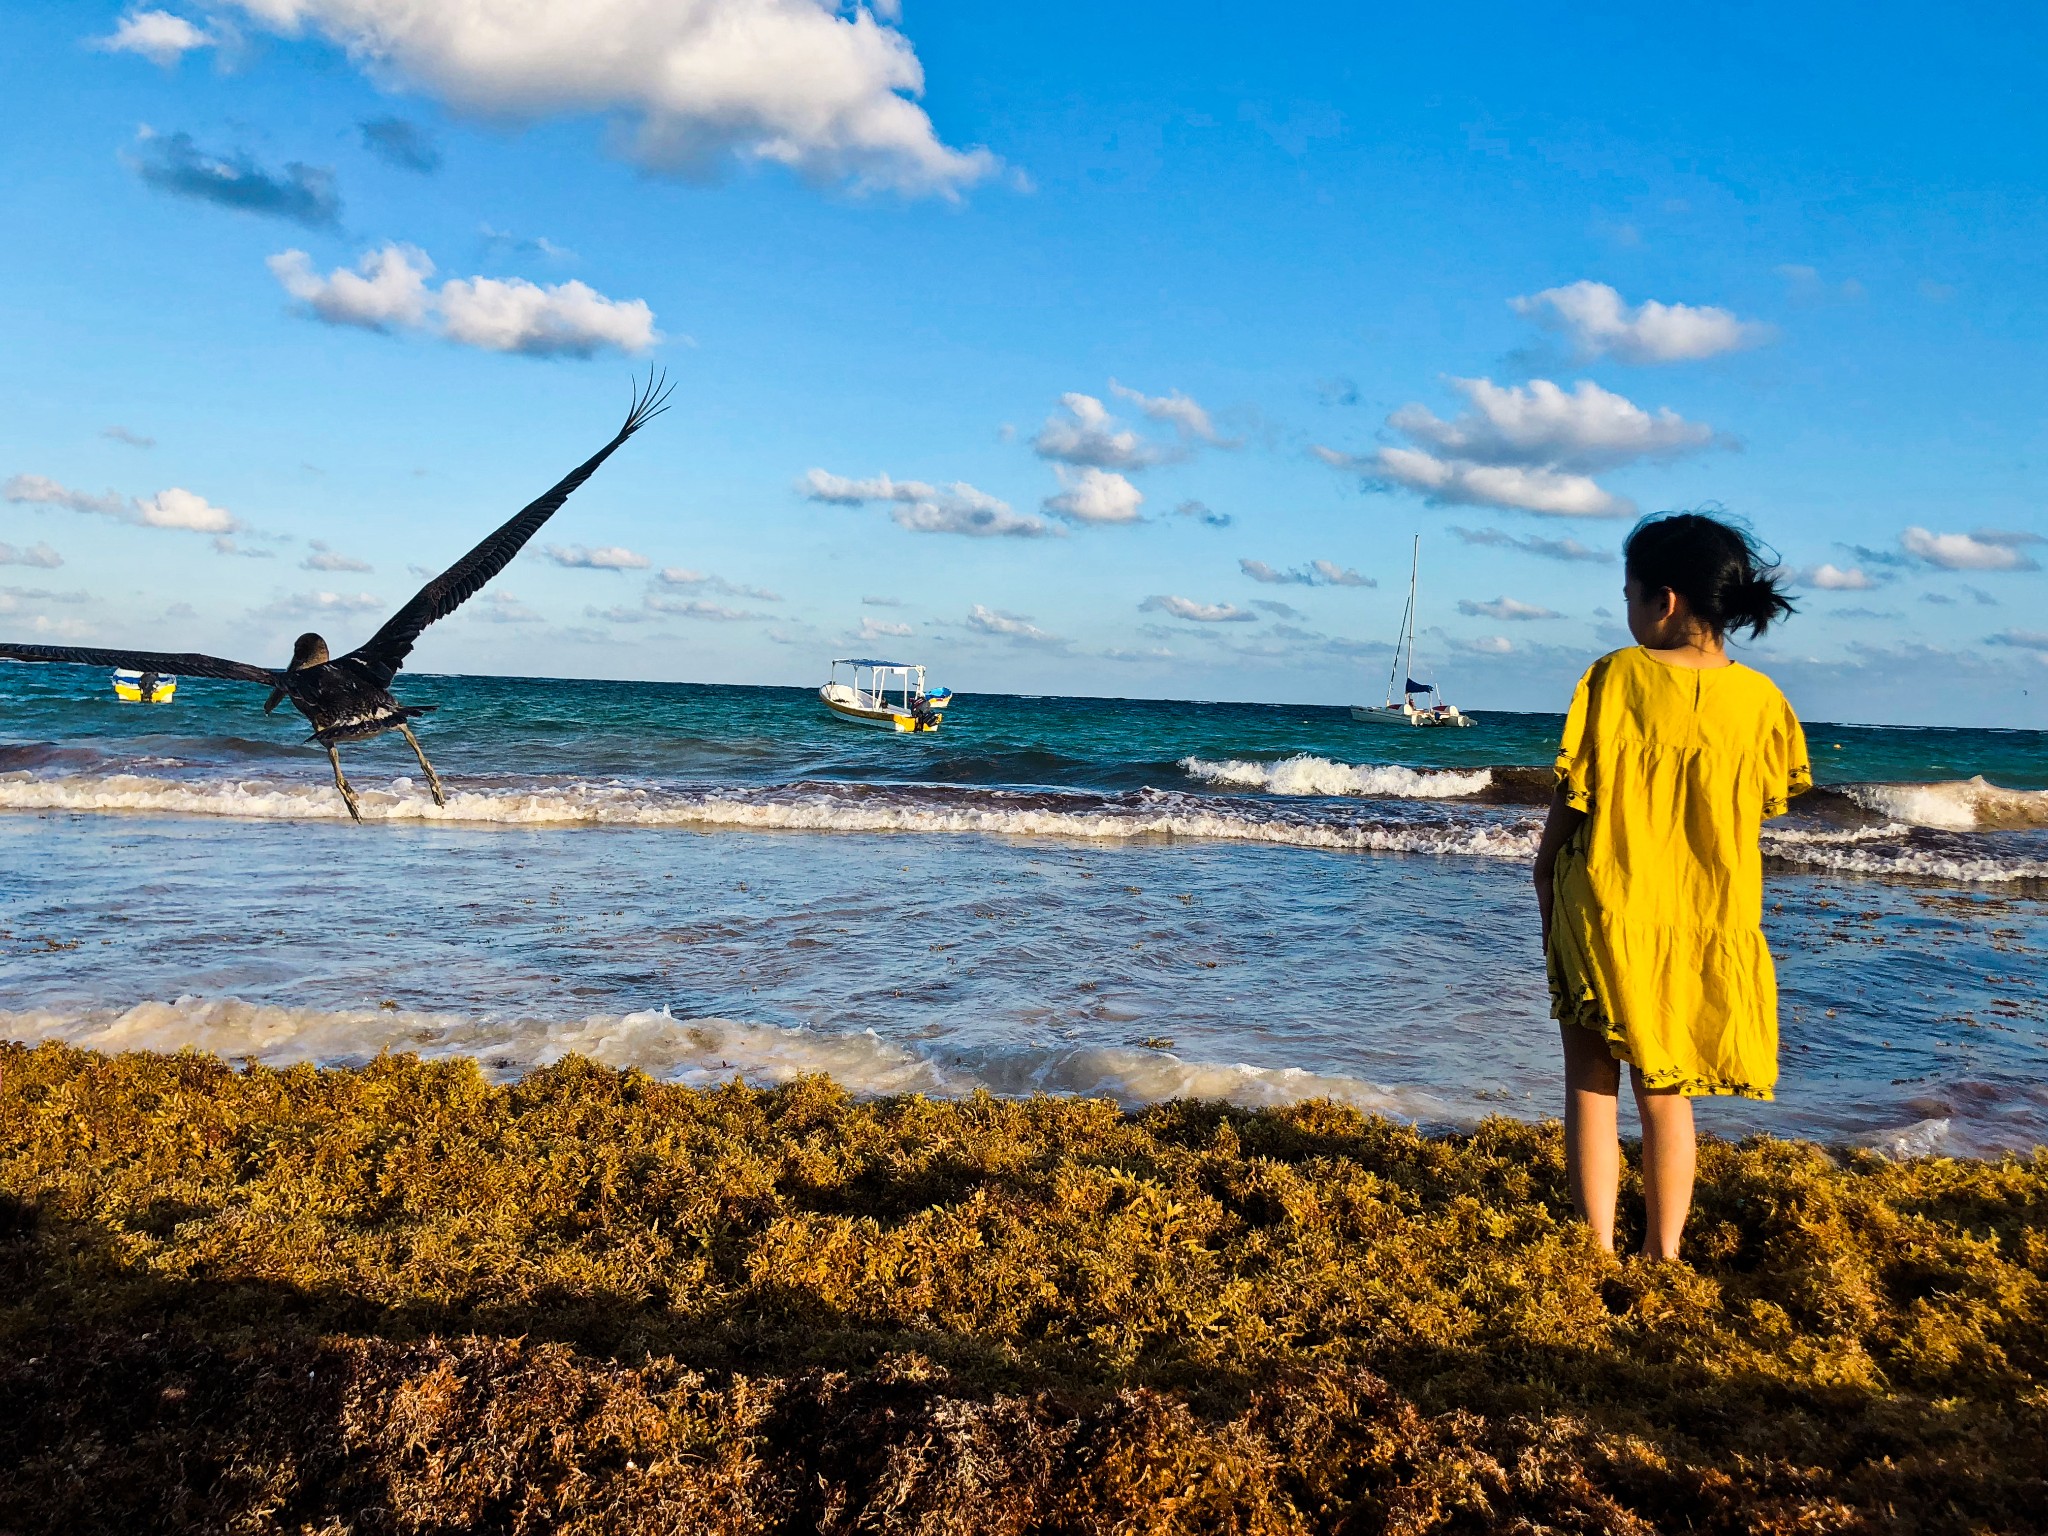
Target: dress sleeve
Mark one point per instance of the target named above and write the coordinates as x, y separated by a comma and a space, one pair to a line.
1575, 751
1788, 770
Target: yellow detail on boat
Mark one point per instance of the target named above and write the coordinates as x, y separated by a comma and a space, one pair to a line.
128, 688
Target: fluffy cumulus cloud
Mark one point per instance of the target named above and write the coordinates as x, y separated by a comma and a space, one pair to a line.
1567, 549
606, 557
321, 605
38, 556
824, 89
173, 163
389, 291
1504, 609
922, 508
1829, 577
1202, 512
1015, 627
1598, 321
1317, 573
1088, 435
174, 507
1531, 447
1200, 613
1094, 496
1490, 645
698, 608
883, 629
1988, 549
158, 36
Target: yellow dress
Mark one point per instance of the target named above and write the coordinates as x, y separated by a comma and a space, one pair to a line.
1656, 934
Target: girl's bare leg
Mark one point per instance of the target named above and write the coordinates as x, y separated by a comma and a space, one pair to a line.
1592, 1144
1668, 1158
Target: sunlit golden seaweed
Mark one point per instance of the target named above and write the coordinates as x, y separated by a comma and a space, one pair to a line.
402, 1299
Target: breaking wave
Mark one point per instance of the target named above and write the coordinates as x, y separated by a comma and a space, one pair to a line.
1959, 805
1304, 775
808, 807
702, 1052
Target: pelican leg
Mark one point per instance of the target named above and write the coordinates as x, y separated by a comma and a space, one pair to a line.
341, 783
433, 778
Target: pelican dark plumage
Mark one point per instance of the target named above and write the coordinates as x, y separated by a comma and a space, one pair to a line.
348, 698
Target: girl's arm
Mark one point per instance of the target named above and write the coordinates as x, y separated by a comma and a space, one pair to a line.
1564, 820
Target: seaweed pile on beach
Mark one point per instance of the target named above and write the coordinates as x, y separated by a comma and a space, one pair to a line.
402, 1299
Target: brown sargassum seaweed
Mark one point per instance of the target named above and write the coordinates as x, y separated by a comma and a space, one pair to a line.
401, 1299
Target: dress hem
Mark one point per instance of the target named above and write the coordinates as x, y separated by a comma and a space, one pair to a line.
1662, 1077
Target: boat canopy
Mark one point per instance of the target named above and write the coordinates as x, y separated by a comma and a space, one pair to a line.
869, 661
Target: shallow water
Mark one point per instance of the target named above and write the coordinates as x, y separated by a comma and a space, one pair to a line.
1136, 898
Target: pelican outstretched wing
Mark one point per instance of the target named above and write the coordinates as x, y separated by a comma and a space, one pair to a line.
384, 652
170, 663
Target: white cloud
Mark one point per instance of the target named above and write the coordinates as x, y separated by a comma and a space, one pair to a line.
1094, 496
1089, 435
1585, 428
883, 629
1828, 577
325, 559
132, 439
1988, 549
568, 319
1201, 613
606, 557
177, 507
1008, 626
158, 36
1490, 645
956, 508
36, 556
1202, 512
1597, 321
388, 291
1317, 573
1504, 609
1527, 447
680, 576
1531, 544
881, 602
1177, 410
174, 507
824, 90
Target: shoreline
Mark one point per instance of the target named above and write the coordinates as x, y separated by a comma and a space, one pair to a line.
286, 1297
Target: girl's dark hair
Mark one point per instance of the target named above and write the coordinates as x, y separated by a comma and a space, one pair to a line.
1716, 568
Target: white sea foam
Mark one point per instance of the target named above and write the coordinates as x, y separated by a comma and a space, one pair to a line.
1923, 1138
616, 804
700, 1052
1304, 775
1959, 805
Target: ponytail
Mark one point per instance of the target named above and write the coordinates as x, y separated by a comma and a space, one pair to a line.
1713, 565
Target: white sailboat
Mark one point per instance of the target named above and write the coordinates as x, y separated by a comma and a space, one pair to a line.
1406, 711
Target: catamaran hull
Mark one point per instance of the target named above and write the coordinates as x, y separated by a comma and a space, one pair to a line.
1393, 714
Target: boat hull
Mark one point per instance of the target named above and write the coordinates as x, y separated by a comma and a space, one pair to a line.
880, 718
163, 692
1413, 719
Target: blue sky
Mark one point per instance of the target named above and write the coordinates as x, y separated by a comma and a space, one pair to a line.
1170, 298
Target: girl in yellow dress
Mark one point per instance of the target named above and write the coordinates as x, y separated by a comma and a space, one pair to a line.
1649, 877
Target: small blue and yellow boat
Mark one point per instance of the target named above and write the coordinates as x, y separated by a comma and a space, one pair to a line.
144, 687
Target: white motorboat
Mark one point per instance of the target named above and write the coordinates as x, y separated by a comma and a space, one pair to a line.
888, 695
1405, 711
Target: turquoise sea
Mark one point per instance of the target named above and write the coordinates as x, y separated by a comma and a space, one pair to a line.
1140, 898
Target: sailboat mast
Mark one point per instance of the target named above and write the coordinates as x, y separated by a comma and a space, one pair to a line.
1414, 558
1394, 671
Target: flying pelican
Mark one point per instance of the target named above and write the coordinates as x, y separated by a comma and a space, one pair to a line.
349, 698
